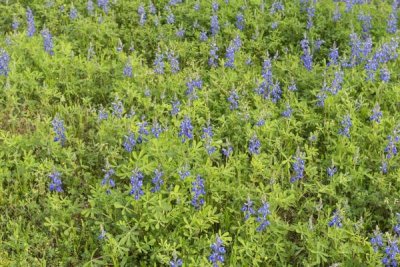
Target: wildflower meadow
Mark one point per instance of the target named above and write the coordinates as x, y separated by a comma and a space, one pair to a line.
199, 133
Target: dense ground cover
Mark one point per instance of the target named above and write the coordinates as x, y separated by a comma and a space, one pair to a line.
199, 133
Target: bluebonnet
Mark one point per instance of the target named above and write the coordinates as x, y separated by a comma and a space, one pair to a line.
203, 36
366, 47
184, 172
287, 112
102, 234
56, 184
384, 167
227, 151
298, 167
180, 33
152, 8
371, 67
142, 15
307, 56
175, 107
331, 171
90, 7
159, 64
107, 180
186, 129
196, 6
276, 92
142, 131
4, 62
170, 16
321, 99
137, 184
346, 125
292, 87
248, 209
396, 228
337, 82
73, 13
128, 69
212, 61
254, 145
175, 262
59, 130
173, 62
103, 4
391, 251
391, 148
336, 220
310, 16
392, 22
207, 132
174, 2
214, 24
31, 22
318, 43
47, 41
103, 114
385, 74
215, 6
233, 100
336, 13
377, 240
192, 85
15, 24
263, 212
117, 108
274, 25
237, 42
276, 6
249, 62
240, 22
157, 180
130, 142
218, 251
260, 122
209, 147
198, 192
366, 22
376, 114
333, 56
156, 129
230, 56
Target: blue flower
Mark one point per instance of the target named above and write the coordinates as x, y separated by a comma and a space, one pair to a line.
391, 252
102, 234
107, 180
254, 145
31, 22
130, 142
47, 41
184, 172
376, 114
192, 85
4, 62
346, 125
392, 22
157, 181
159, 64
217, 252
118, 108
198, 192
214, 25
333, 56
173, 62
366, 22
248, 209
227, 151
56, 184
156, 129
336, 220
103, 4
128, 69
263, 212
73, 14
298, 167
59, 130
287, 113
391, 148
170, 16
377, 240
142, 15
90, 7
307, 56
175, 107
233, 100
175, 262
212, 61
310, 16
331, 171
240, 21
203, 36
186, 131
137, 184
385, 75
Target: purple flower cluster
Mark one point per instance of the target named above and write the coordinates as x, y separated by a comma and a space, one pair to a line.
4, 62
263, 212
218, 251
157, 181
56, 184
247, 209
186, 131
59, 130
254, 145
198, 191
31, 22
298, 167
233, 99
192, 85
107, 180
137, 184
346, 125
47, 41
213, 59
336, 220
307, 56
376, 114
